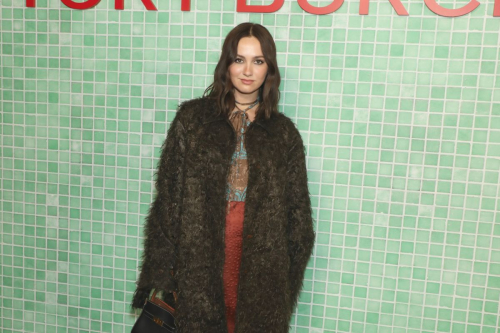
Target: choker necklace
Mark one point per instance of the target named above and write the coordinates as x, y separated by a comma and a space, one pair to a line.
246, 103
248, 108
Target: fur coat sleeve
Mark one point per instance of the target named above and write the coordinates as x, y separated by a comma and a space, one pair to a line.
163, 216
301, 235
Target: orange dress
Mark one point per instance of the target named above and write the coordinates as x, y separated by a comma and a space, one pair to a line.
235, 197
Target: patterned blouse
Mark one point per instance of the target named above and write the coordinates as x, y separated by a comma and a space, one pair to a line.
238, 175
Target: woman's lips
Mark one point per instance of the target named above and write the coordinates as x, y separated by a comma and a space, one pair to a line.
246, 81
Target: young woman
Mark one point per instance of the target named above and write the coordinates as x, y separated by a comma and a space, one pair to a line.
231, 229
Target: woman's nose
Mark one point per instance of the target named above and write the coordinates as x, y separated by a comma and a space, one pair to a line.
248, 69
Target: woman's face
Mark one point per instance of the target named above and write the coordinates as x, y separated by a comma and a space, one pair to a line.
248, 71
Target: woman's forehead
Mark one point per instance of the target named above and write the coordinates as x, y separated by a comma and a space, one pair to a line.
249, 46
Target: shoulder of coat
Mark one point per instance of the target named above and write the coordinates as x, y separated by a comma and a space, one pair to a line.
283, 118
288, 124
291, 133
195, 110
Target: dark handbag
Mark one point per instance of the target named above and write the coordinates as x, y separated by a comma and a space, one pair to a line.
156, 317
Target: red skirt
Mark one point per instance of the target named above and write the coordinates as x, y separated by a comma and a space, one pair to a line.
233, 240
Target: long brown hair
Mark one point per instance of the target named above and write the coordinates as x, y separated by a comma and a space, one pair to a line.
222, 88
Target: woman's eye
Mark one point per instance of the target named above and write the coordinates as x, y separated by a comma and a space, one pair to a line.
238, 60
260, 62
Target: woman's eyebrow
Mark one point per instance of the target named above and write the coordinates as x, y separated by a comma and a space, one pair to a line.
259, 56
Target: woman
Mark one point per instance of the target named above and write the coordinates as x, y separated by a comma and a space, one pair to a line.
231, 229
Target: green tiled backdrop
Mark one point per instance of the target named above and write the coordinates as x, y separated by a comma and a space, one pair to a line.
400, 115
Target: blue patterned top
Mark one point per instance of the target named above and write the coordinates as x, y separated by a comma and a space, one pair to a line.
238, 175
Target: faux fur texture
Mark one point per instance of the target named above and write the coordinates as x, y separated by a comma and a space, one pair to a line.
185, 225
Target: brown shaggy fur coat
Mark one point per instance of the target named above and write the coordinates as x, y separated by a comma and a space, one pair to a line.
184, 245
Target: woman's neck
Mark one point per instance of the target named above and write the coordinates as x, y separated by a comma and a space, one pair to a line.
244, 101
245, 98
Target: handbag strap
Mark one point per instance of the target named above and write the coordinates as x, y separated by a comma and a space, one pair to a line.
161, 303
154, 295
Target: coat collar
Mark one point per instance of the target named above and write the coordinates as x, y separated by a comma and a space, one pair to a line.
260, 121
